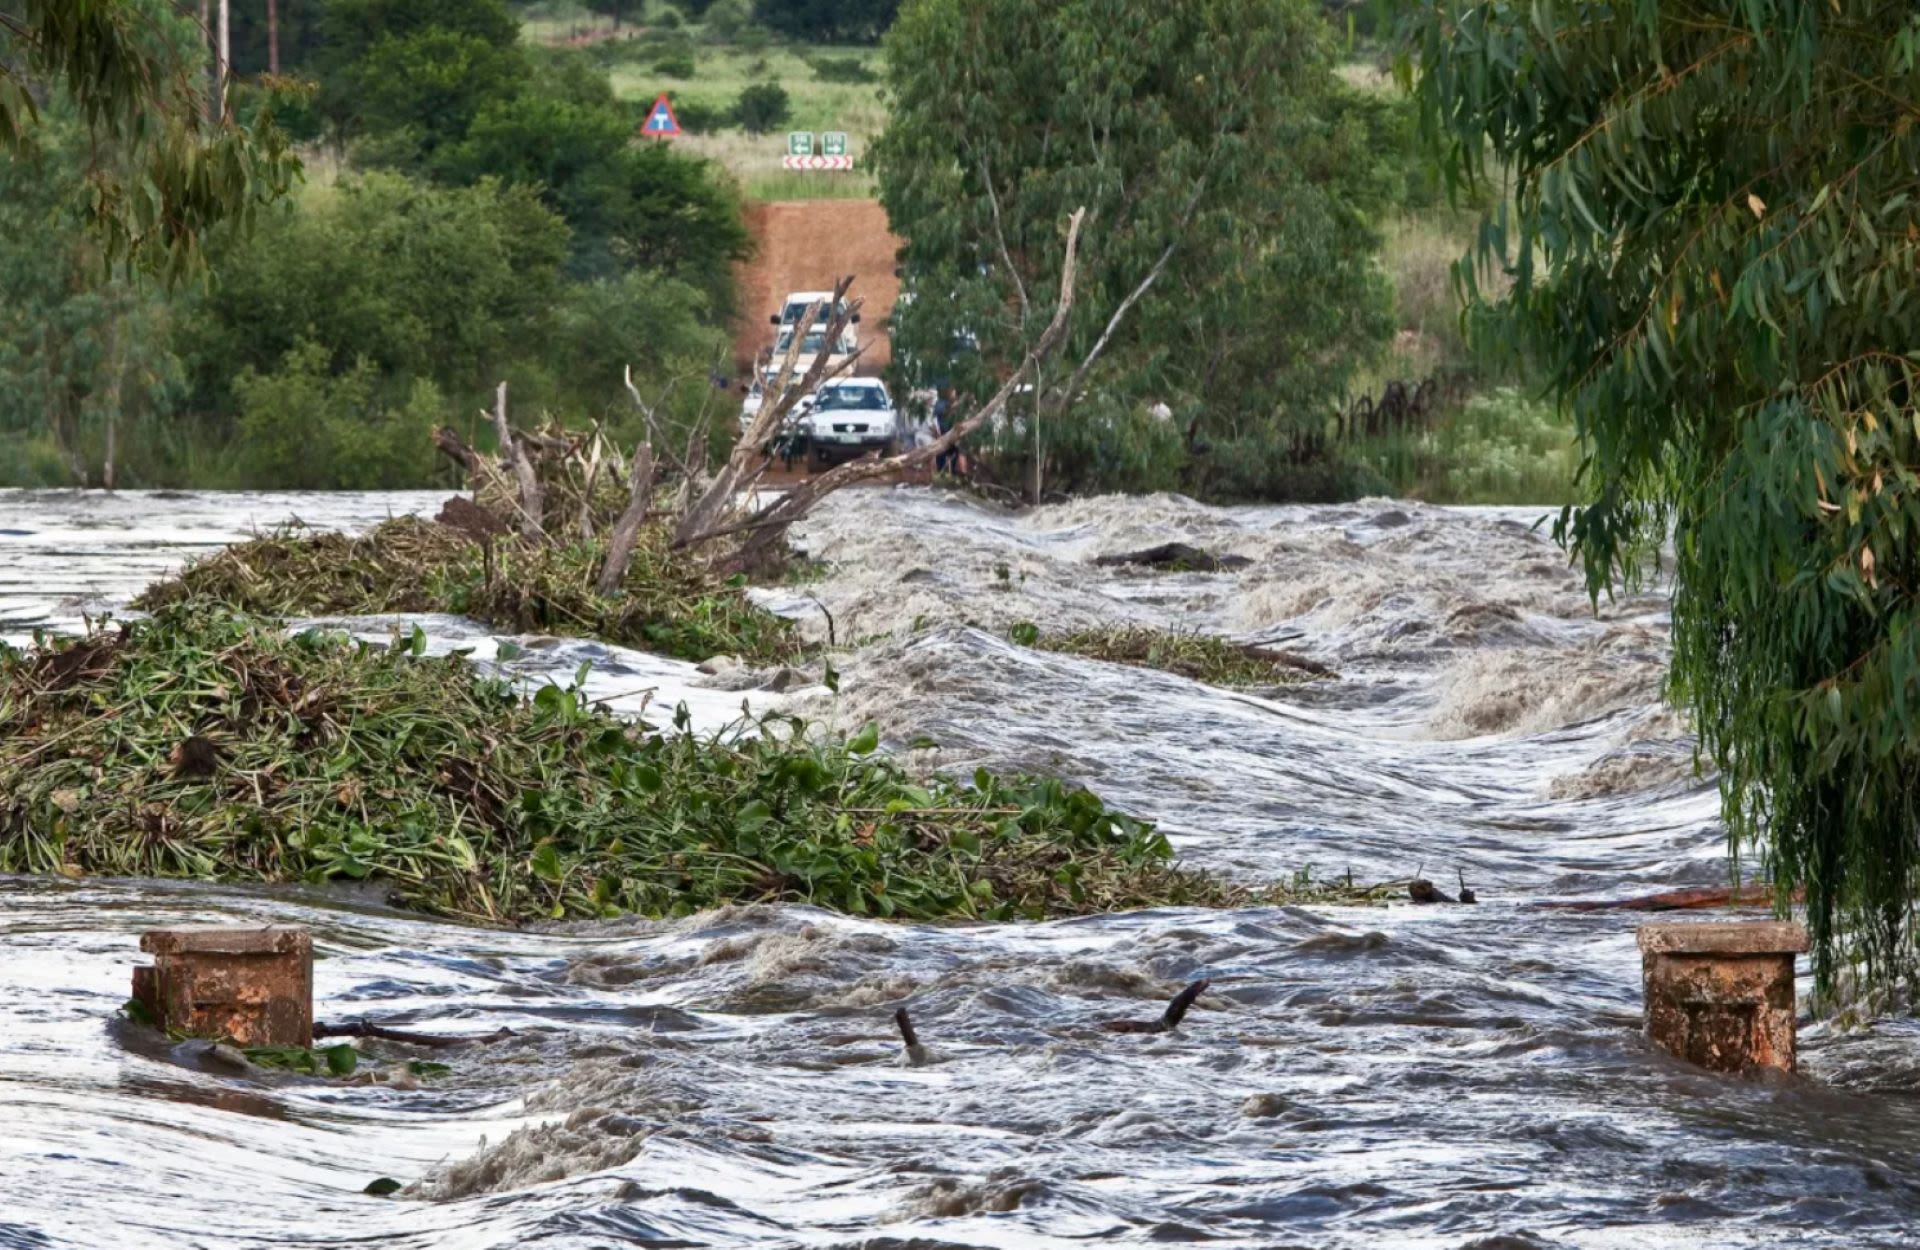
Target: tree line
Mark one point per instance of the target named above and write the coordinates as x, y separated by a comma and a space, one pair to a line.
479, 210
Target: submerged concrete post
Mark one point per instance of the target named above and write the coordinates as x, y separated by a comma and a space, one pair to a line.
252, 985
1721, 994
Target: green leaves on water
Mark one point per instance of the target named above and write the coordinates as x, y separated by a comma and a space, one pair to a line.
348, 762
335, 1061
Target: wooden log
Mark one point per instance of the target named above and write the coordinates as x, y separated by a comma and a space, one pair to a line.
1695, 899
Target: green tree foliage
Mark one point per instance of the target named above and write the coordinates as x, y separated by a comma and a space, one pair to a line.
1713, 245
163, 175
827, 21
416, 282
619, 10
1227, 178
307, 427
446, 89
763, 107
80, 344
301, 35
371, 299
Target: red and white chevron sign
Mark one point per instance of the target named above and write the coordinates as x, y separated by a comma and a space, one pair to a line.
842, 164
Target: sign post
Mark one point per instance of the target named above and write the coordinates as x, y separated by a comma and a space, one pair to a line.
800, 143
661, 123
833, 143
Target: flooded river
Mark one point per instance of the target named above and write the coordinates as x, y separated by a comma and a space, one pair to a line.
1358, 1077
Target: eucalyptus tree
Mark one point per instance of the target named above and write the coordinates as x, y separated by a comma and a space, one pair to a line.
1714, 244
132, 70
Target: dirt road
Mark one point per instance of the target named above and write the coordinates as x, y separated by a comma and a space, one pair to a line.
804, 245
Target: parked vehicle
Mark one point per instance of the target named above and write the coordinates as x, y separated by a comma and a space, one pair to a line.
798, 303
851, 417
812, 343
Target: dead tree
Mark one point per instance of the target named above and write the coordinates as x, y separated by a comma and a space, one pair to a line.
514, 456
705, 519
762, 530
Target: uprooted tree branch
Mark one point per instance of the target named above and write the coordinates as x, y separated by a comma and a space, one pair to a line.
550, 486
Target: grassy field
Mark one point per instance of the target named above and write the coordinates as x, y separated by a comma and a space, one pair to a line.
720, 73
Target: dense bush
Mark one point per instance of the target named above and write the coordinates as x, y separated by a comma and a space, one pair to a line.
762, 107
847, 69
827, 21
417, 281
309, 428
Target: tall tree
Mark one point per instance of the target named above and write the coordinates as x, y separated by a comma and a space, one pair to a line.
1713, 241
1228, 269
167, 172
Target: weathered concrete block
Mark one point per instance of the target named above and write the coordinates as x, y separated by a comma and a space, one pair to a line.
1720, 994
250, 985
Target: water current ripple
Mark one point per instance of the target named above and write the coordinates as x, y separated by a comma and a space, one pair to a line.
1392, 1076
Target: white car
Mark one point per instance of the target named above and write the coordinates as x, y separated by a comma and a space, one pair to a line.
798, 303
812, 343
850, 417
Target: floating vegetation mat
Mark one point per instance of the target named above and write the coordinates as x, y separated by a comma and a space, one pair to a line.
210, 744
666, 605
1202, 657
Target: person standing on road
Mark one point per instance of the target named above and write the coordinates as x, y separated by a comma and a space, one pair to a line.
947, 461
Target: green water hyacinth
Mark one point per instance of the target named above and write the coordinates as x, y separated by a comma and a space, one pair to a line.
210, 744
1713, 243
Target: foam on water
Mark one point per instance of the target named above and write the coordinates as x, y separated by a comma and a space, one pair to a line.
1357, 1077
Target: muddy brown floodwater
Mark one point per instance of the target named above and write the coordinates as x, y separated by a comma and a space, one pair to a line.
1354, 1077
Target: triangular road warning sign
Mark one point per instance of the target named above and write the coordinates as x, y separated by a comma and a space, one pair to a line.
661, 123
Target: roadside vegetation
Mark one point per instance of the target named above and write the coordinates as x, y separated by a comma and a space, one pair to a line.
231, 750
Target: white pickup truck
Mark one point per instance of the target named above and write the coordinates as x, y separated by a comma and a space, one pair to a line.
799, 301
850, 417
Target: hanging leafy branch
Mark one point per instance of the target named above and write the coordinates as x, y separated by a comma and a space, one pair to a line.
1713, 242
163, 174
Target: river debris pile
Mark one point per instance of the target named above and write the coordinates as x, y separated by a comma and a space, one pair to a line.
210, 744
665, 603
1202, 657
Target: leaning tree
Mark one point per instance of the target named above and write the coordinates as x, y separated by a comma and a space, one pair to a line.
1714, 243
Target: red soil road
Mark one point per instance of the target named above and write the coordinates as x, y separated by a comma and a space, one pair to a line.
805, 245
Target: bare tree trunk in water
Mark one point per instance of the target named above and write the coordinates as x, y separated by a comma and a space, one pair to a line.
273, 37
113, 401
1038, 484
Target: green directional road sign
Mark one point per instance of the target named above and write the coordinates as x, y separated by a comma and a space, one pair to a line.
800, 143
833, 143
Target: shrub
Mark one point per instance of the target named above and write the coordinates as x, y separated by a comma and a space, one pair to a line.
676, 65
726, 20
848, 69
762, 107
701, 119
302, 427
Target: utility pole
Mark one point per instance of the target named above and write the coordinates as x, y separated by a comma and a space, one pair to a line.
273, 37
